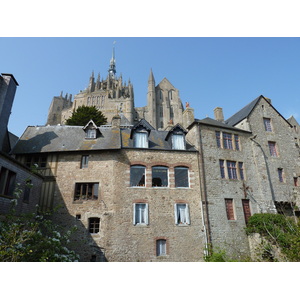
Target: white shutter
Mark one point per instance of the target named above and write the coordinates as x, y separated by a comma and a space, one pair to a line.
187, 214
146, 214
175, 213
133, 220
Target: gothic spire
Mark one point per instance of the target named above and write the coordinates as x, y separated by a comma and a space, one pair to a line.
112, 65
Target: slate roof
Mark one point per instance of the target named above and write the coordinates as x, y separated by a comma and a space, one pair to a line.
243, 113
212, 122
41, 139
65, 138
247, 110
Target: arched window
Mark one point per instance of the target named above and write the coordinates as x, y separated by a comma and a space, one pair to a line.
137, 176
160, 176
181, 177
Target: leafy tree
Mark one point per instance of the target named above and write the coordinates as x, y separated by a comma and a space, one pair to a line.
33, 238
83, 114
279, 232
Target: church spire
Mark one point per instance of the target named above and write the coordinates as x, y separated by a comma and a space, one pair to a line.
112, 65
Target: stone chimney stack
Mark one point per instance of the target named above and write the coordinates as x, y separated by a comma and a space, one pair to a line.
116, 121
218, 112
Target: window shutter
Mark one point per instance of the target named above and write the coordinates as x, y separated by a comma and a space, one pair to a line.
187, 214
147, 215
133, 220
175, 213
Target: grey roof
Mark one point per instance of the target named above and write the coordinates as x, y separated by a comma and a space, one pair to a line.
211, 122
246, 111
39, 139
243, 113
157, 140
65, 138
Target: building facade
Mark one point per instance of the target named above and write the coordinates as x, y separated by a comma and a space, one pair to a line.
156, 184
14, 177
132, 192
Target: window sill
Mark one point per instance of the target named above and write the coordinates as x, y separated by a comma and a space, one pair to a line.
182, 225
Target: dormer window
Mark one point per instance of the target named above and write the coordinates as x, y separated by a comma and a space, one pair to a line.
90, 130
140, 139
178, 141
91, 133
177, 137
140, 134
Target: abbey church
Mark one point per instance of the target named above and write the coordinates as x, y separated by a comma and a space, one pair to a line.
111, 96
156, 183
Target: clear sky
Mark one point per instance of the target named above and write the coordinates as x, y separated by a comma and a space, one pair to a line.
209, 72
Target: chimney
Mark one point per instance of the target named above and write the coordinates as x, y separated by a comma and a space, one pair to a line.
116, 121
218, 112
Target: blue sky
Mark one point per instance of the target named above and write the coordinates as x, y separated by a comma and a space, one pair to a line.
209, 72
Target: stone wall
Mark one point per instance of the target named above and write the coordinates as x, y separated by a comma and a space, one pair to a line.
119, 239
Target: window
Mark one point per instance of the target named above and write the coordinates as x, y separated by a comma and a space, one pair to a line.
84, 161
7, 182
137, 175
227, 141
94, 225
246, 209
91, 133
236, 142
181, 177
161, 247
86, 191
231, 169
229, 209
218, 139
159, 176
267, 123
140, 213
241, 170
178, 142
272, 148
182, 214
27, 189
222, 169
40, 161
280, 174
140, 140
295, 181
78, 217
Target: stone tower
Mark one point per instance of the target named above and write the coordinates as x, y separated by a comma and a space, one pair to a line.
109, 95
164, 104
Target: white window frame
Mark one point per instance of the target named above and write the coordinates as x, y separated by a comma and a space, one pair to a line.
146, 216
186, 212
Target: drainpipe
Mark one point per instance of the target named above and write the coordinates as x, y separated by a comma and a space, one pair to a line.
203, 192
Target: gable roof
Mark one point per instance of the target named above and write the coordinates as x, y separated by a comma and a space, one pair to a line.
243, 113
247, 110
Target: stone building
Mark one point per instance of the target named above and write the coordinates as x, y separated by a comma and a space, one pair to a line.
132, 191
248, 164
112, 96
143, 189
13, 174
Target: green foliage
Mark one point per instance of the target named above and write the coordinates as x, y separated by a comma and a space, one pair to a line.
33, 238
84, 114
216, 256
279, 231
